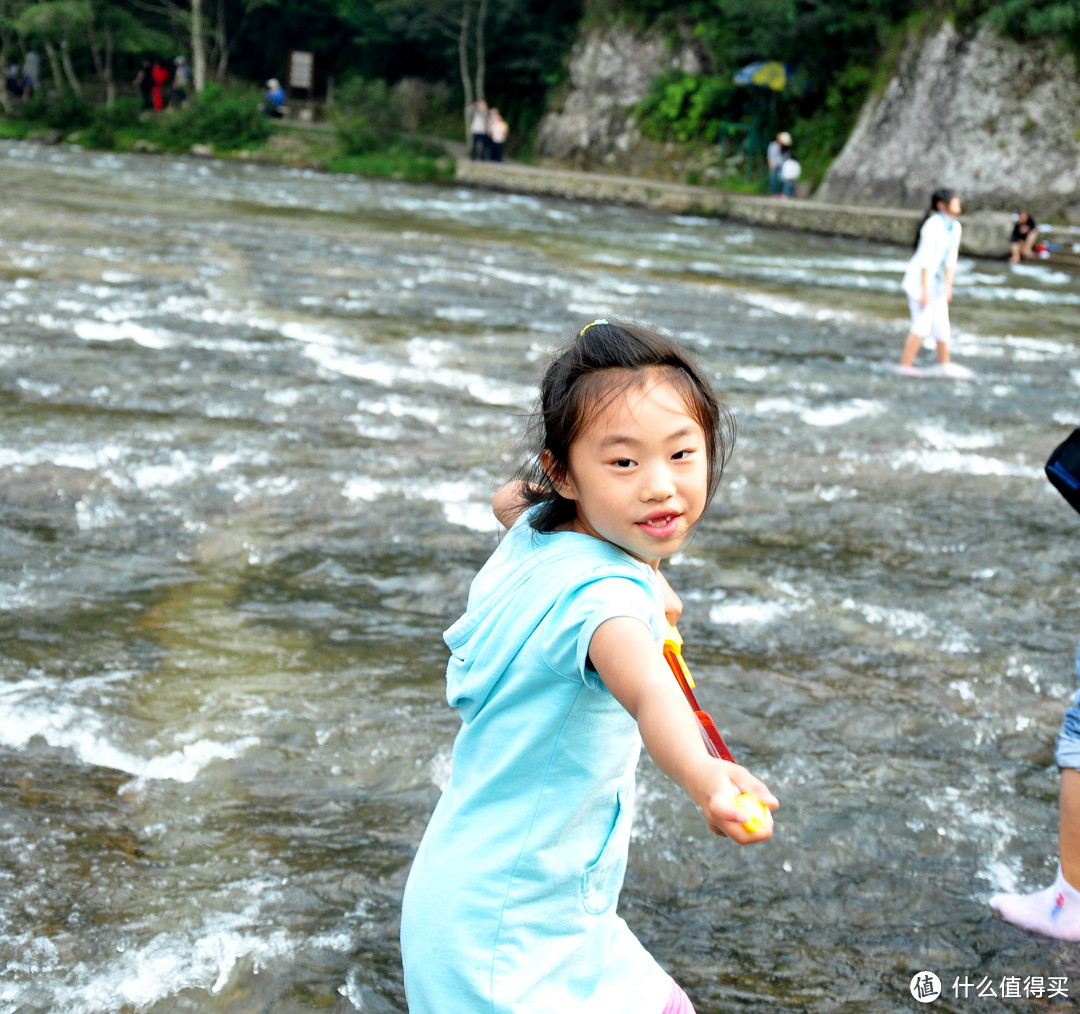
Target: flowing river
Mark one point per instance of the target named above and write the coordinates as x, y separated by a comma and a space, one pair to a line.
252, 418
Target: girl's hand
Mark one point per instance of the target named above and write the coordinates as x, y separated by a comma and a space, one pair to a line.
924, 298
948, 293
720, 811
627, 658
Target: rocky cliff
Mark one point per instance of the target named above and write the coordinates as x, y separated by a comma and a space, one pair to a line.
997, 121
610, 71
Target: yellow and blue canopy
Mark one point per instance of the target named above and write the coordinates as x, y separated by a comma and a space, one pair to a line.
764, 74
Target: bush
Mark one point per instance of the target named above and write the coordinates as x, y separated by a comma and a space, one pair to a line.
366, 116
227, 119
64, 111
108, 120
686, 107
397, 161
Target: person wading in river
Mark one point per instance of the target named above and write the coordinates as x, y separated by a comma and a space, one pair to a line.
928, 280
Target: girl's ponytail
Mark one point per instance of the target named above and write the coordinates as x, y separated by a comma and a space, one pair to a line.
942, 195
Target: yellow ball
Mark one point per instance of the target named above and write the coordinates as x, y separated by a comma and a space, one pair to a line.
752, 805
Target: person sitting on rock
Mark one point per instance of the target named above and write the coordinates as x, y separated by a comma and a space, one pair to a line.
1025, 234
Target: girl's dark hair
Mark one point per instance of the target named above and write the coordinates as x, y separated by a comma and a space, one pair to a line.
605, 360
943, 195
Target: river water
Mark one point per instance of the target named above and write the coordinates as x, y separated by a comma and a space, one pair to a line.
252, 418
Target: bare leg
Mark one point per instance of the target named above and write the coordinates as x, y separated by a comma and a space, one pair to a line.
912, 344
1069, 826
1055, 910
943, 353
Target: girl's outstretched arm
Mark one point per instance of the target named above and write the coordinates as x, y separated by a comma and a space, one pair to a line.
633, 669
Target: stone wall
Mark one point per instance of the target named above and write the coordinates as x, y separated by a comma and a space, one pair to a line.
997, 121
985, 234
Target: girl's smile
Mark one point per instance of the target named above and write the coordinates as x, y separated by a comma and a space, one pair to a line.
638, 471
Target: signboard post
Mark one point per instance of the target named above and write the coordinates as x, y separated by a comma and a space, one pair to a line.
301, 71
302, 77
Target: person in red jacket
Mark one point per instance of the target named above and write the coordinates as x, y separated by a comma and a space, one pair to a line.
159, 74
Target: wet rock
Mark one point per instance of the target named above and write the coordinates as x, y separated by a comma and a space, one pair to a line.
996, 120
610, 72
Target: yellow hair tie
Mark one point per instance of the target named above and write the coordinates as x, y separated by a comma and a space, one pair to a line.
599, 320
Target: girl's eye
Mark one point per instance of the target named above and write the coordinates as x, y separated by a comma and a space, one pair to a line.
679, 455
623, 463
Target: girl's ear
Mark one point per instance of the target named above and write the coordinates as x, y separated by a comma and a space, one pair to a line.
560, 482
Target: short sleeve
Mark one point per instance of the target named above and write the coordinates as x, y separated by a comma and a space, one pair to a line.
569, 627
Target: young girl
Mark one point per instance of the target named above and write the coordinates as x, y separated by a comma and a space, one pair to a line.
557, 671
928, 280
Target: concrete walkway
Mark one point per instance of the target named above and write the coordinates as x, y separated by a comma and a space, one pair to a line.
986, 233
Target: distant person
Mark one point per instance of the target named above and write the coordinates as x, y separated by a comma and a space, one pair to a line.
1025, 235
478, 130
13, 80
790, 171
498, 131
776, 153
159, 75
181, 82
31, 70
144, 81
274, 99
1055, 910
928, 280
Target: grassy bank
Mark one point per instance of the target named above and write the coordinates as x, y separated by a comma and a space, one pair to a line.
226, 123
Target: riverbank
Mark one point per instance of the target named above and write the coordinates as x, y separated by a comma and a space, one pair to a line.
986, 233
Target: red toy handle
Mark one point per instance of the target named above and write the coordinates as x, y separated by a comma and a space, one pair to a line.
714, 742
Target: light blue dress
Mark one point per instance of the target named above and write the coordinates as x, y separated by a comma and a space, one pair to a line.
510, 905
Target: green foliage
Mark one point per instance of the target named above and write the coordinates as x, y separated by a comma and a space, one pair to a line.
1037, 19
684, 107
366, 116
109, 121
400, 161
57, 110
55, 19
830, 47
225, 118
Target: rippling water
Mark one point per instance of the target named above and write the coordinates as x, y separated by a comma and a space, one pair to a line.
251, 421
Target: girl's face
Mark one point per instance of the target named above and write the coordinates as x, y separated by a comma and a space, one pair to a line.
638, 471
953, 208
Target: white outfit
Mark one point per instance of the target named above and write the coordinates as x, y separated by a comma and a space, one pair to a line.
775, 155
478, 122
937, 252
